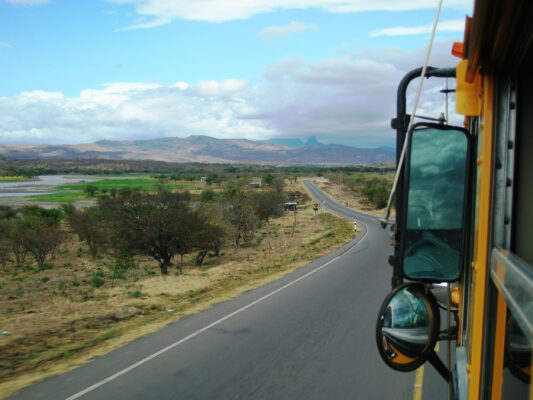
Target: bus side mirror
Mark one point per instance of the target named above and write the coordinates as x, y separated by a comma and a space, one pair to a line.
408, 327
433, 217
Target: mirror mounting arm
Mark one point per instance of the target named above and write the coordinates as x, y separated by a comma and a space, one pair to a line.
437, 363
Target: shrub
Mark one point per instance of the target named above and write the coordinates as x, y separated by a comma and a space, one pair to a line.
46, 266
97, 282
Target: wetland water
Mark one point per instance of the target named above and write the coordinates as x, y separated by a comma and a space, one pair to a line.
13, 193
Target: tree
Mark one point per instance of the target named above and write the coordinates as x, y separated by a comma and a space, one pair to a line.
43, 241
268, 178
17, 234
5, 248
7, 212
49, 217
378, 195
207, 195
37, 232
213, 233
267, 205
154, 224
240, 215
90, 225
90, 190
278, 184
120, 264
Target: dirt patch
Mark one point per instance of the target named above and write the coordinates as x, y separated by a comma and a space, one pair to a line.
56, 319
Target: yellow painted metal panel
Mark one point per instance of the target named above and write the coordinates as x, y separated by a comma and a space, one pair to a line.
481, 239
499, 349
467, 95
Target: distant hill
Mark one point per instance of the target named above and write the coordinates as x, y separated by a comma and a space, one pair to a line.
387, 148
295, 142
207, 150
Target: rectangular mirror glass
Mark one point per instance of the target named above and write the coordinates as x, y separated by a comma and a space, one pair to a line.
436, 172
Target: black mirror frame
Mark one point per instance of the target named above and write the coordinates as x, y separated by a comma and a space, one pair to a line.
402, 220
434, 332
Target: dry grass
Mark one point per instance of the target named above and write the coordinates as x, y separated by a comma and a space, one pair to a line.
350, 199
57, 319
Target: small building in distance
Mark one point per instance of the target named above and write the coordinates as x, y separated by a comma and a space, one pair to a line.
256, 183
290, 206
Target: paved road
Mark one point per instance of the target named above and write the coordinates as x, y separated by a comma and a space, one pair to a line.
309, 335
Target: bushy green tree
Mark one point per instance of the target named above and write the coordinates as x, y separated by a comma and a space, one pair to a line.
207, 195
90, 190
267, 205
157, 225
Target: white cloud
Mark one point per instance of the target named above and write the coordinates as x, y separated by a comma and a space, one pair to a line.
4, 44
220, 11
276, 32
214, 88
149, 24
444, 26
348, 99
128, 111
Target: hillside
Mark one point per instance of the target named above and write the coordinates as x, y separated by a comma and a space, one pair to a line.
204, 149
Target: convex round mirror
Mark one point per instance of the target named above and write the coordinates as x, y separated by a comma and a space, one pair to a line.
407, 327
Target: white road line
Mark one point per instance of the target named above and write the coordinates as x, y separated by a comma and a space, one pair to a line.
205, 328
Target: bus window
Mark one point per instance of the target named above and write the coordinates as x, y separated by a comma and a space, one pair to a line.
517, 360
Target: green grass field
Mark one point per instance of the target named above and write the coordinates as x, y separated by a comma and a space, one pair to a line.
76, 192
67, 197
143, 183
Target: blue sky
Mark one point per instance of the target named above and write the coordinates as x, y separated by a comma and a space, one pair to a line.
77, 71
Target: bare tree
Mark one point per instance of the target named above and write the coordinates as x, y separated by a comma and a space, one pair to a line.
90, 225
5, 245
240, 215
17, 234
43, 241
278, 184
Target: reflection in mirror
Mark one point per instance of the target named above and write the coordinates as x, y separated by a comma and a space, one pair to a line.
407, 327
437, 172
518, 351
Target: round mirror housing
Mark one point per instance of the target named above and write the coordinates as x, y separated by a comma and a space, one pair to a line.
408, 326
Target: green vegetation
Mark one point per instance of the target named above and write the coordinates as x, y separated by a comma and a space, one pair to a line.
14, 178
109, 187
143, 183
68, 197
373, 187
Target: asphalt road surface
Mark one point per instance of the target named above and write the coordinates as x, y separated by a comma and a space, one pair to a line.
308, 335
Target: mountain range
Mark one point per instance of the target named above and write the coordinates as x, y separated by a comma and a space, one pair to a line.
207, 150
